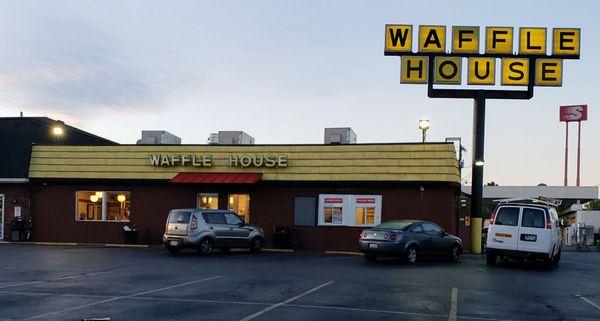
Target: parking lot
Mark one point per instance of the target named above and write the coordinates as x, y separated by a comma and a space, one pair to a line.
71, 283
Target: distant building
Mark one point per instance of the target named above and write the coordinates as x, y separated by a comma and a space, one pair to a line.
17, 136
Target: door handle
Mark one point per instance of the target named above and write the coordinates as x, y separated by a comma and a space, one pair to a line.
211, 228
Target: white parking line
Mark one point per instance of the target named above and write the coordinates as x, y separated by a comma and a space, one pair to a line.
119, 298
589, 302
290, 300
453, 304
54, 280
19, 284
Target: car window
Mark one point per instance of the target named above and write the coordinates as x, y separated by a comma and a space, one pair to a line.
417, 229
393, 225
214, 218
508, 216
533, 217
180, 217
431, 229
232, 219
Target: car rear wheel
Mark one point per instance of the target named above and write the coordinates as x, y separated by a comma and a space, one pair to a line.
455, 253
256, 245
173, 249
491, 259
411, 255
205, 247
370, 257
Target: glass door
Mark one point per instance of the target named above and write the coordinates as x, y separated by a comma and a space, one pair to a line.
240, 204
1, 217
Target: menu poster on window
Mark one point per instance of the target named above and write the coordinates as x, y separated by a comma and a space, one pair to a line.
349, 210
338, 217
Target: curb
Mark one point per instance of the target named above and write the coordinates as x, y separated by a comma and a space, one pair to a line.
344, 253
279, 250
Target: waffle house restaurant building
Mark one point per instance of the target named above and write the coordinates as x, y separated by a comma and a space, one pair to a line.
323, 194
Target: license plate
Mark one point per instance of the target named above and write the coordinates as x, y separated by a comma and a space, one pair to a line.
373, 245
174, 243
528, 237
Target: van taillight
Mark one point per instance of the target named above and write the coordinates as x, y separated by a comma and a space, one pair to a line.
492, 218
194, 223
548, 222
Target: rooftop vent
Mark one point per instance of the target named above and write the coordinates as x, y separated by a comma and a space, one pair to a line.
342, 135
158, 137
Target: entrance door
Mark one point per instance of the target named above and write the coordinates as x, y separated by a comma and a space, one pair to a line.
240, 204
1, 217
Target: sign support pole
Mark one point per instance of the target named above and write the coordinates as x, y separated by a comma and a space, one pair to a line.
578, 150
477, 182
566, 180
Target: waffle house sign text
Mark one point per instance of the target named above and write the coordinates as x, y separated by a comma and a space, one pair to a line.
514, 50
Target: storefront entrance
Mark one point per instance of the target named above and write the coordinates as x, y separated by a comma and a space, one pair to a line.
1, 217
240, 204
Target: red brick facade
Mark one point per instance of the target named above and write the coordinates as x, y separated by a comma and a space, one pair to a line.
271, 205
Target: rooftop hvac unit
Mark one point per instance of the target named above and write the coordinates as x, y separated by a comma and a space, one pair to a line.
158, 137
343, 135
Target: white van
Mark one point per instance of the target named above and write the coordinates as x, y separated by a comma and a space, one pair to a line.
524, 228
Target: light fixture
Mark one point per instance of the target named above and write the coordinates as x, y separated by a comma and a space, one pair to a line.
424, 126
94, 198
57, 130
121, 198
479, 163
99, 194
231, 200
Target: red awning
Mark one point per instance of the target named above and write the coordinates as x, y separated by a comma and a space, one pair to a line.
217, 178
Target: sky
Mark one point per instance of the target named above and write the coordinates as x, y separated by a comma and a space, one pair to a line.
283, 71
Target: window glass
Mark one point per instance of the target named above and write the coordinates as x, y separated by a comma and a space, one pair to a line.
240, 204
208, 201
180, 217
103, 206
417, 229
508, 216
533, 217
214, 218
365, 215
232, 219
431, 229
118, 206
333, 214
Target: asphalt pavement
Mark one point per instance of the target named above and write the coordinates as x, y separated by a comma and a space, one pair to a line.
71, 283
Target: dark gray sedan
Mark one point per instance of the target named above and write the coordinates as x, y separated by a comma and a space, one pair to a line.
409, 239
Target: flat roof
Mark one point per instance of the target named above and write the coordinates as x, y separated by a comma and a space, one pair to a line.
554, 192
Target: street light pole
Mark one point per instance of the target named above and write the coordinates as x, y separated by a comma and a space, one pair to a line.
478, 162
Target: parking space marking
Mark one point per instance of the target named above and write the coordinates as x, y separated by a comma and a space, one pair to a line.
54, 280
290, 300
337, 258
589, 302
453, 304
19, 284
121, 297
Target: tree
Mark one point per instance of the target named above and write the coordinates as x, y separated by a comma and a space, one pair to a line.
492, 183
594, 205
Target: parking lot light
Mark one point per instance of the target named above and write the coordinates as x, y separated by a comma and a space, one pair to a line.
424, 126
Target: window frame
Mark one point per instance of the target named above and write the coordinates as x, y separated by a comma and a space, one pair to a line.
199, 198
104, 206
349, 204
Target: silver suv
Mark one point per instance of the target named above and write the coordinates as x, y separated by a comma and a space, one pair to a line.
205, 230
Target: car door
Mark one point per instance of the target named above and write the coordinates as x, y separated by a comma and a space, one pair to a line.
533, 234
504, 233
425, 243
436, 237
238, 231
217, 223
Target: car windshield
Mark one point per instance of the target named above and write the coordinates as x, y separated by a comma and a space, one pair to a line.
393, 225
180, 217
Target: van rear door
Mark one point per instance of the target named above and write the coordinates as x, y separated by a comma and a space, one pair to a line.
505, 231
533, 234
178, 222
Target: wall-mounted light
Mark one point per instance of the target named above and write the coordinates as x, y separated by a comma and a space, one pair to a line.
121, 198
424, 126
99, 194
94, 198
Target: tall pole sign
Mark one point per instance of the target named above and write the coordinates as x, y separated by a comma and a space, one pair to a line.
567, 114
433, 64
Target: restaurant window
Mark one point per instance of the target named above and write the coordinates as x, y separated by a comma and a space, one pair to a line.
112, 206
208, 201
349, 210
